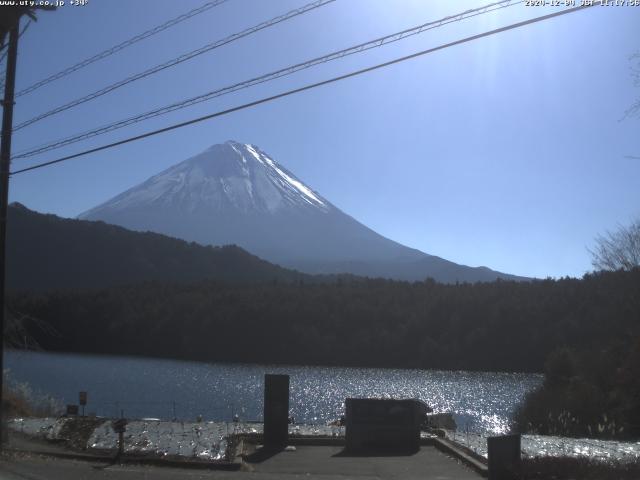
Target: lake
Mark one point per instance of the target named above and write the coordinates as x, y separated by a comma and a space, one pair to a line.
482, 402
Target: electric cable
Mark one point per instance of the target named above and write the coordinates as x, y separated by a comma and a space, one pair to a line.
376, 43
175, 61
121, 46
307, 87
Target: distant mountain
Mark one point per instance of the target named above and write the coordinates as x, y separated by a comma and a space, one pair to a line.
234, 193
46, 252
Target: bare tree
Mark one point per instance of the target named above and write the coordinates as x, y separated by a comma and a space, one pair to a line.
619, 250
634, 110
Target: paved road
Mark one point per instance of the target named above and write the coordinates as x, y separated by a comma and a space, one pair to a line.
331, 462
56, 469
311, 463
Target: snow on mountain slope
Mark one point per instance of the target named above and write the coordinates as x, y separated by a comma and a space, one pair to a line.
234, 193
231, 176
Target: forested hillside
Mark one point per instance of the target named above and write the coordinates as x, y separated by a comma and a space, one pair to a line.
46, 252
485, 326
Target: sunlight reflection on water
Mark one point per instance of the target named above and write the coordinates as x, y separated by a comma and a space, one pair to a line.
481, 402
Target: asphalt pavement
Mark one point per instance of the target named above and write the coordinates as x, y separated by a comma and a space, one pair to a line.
308, 462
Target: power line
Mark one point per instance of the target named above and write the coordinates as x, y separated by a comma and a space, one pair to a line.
306, 87
378, 42
121, 46
177, 60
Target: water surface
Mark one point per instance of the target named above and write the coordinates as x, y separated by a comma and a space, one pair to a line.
482, 402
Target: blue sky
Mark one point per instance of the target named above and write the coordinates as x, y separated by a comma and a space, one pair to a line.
510, 151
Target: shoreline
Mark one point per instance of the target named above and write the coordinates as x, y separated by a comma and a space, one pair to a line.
210, 441
265, 364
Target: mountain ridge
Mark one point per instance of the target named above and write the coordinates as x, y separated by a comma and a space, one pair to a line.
235, 193
47, 252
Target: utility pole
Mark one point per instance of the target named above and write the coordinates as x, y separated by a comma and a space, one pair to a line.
5, 162
9, 23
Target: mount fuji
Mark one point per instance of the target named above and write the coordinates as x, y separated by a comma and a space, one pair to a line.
234, 193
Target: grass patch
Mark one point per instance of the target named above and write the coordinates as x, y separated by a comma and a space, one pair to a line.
19, 399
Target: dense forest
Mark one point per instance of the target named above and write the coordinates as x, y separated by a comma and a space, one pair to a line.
502, 325
46, 251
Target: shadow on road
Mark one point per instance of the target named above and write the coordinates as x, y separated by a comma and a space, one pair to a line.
262, 454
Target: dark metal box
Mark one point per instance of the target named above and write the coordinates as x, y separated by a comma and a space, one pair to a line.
383, 424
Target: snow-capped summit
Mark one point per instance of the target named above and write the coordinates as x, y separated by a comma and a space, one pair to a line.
234, 193
227, 177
